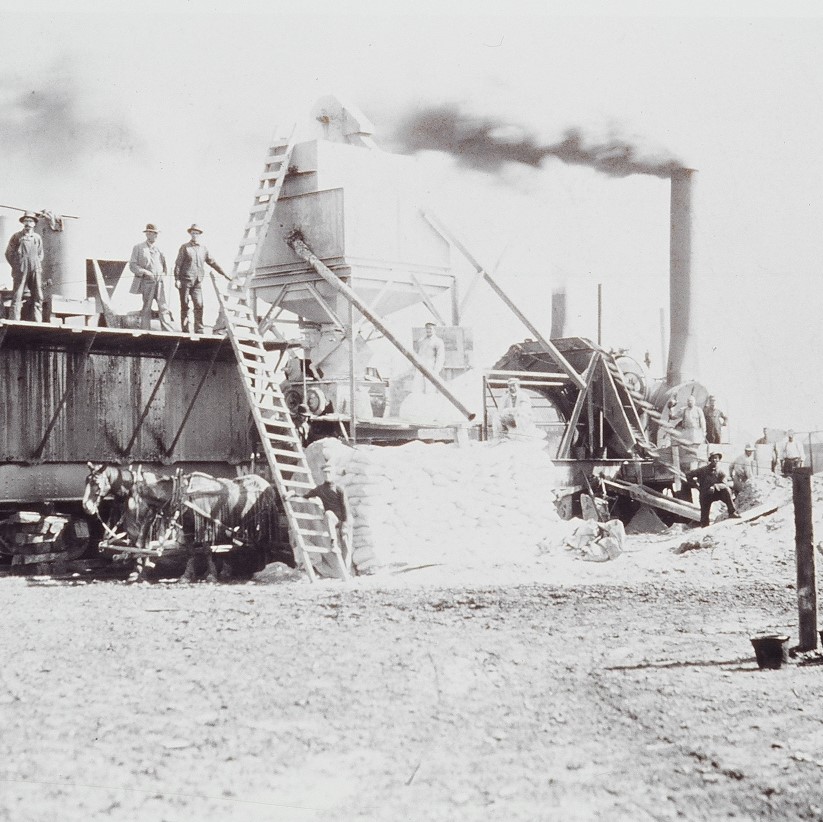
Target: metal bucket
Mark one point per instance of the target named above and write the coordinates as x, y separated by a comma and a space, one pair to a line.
771, 650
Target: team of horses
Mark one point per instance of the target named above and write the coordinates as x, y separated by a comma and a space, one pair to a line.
194, 518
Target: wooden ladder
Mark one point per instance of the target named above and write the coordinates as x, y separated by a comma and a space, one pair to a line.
308, 528
275, 170
629, 396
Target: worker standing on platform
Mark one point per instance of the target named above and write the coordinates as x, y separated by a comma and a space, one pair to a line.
148, 263
715, 420
24, 254
189, 271
432, 353
693, 423
711, 483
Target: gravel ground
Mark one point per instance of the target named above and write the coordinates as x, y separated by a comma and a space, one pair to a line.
560, 689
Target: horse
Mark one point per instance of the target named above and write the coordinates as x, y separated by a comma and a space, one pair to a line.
189, 513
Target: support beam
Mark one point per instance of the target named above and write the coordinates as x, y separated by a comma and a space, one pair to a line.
200, 385
298, 245
38, 452
426, 301
571, 427
169, 360
373, 307
564, 364
338, 323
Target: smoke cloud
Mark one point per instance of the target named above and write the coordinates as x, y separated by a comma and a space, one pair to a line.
43, 122
487, 145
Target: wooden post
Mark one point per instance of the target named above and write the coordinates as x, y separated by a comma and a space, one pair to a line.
804, 548
352, 380
599, 313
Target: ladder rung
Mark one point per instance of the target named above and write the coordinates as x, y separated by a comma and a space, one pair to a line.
317, 549
252, 352
274, 424
257, 209
283, 454
315, 516
281, 438
297, 484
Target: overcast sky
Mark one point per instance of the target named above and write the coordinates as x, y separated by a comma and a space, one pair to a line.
164, 116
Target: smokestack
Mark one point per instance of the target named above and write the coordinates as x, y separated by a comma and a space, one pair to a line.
558, 330
682, 335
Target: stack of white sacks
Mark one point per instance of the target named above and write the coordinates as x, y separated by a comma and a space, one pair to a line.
472, 505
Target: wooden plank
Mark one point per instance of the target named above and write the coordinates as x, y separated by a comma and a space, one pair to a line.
651, 497
30, 559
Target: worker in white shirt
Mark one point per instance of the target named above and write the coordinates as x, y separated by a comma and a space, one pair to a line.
790, 454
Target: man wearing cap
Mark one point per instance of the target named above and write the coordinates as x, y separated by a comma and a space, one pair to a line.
189, 271
336, 507
149, 264
432, 353
711, 483
24, 254
743, 468
302, 423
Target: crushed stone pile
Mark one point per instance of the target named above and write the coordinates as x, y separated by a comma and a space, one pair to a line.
765, 489
419, 503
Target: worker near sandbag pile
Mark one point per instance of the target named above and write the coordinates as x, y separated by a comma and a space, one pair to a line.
189, 272
24, 254
790, 454
336, 506
715, 420
302, 423
516, 407
743, 468
764, 453
693, 423
711, 483
431, 351
148, 264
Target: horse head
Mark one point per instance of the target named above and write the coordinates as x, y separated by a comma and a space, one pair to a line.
103, 480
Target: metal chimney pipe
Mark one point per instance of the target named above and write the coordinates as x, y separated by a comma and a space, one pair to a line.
558, 330
682, 362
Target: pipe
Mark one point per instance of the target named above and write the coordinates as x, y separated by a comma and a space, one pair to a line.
558, 329
564, 364
298, 245
682, 363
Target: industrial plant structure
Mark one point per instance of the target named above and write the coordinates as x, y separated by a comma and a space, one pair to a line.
327, 244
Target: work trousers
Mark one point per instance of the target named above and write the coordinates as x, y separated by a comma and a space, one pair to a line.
34, 281
193, 291
706, 500
788, 464
152, 288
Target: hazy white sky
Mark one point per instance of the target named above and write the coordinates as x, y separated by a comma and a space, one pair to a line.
164, 115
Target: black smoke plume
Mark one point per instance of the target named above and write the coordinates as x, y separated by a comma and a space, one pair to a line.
487, 145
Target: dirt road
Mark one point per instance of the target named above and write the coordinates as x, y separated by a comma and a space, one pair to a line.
296, 702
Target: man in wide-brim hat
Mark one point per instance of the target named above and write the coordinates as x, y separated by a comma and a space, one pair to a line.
24, 254
189, 272
148, 263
